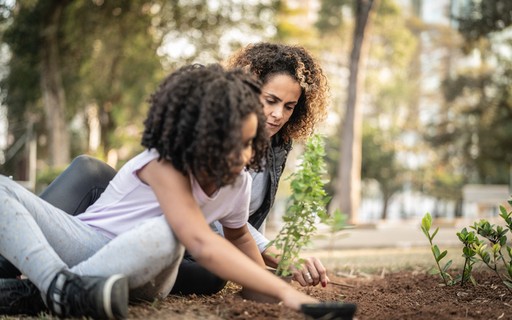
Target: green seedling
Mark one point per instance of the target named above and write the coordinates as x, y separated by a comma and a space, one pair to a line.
469, 240
492, 254
426, 224
307, 203
493, 251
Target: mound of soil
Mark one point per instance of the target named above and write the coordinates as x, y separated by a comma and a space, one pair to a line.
406, 295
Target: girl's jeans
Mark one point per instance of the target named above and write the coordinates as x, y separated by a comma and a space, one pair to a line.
40, 240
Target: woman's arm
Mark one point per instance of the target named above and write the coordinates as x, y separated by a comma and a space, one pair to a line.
242, 239
311, 264
174, 194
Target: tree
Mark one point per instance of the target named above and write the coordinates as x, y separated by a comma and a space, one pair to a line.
20, 83
33, 37
381, 164
96, 63
474, 130
388, 92
53, 93
478, 19
349, 180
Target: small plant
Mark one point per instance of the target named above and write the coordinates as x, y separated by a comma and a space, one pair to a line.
426, 224
306, 204
493, 256
476, 250
469, 240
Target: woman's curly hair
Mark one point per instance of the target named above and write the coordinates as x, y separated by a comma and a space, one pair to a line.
266, 60
195, 121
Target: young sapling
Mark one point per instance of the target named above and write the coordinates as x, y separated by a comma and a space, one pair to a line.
426, 224
307, 203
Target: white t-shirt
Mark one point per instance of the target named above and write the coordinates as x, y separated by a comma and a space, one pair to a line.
260, 181
127, 201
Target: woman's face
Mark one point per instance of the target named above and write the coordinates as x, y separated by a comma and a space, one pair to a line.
279, 95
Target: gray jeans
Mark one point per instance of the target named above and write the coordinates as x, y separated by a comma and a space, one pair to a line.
40, 240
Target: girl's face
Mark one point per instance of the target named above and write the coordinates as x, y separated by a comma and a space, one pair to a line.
249, 129
279, 95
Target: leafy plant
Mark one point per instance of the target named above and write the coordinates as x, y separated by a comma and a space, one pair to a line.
476, 250
469, 240
307, 203
493, 255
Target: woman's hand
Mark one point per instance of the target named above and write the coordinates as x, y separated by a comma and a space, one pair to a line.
312, 273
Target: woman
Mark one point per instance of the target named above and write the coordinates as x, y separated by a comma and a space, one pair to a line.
294, 98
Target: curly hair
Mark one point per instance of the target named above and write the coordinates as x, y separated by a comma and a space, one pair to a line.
195, 121
266, 60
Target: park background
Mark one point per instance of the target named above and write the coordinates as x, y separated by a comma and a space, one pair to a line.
421, 95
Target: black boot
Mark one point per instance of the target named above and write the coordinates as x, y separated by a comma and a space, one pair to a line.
71, 295
20, 297
7, 269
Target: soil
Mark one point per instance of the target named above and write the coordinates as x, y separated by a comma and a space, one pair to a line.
400, 295
385, 284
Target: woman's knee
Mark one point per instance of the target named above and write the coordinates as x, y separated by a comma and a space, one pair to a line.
195, 279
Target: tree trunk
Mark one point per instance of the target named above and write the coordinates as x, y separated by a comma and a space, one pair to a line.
385, 204
349, 180
54, 99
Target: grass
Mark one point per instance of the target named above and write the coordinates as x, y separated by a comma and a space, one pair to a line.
376, 261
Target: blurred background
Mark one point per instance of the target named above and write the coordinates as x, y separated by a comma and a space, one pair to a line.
421, 91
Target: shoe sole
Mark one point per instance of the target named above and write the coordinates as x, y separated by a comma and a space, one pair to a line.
115, 291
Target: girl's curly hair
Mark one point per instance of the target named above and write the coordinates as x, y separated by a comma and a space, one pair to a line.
266, 60
195, 121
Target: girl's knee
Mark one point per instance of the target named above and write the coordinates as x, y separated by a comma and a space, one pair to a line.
10, 188
5, 185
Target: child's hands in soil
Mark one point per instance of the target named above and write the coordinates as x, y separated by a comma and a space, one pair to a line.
294, 299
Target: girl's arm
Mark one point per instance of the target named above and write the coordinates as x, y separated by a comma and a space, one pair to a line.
174, 194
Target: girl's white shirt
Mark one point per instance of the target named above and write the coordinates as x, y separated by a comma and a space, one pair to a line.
127, 201
260, 181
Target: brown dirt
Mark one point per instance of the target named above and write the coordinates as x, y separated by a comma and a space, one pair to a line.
405, 295
385, 284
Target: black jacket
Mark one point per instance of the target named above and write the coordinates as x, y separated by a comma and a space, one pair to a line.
276, 160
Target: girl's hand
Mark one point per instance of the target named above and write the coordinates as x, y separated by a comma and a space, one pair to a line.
312, 273
294, 298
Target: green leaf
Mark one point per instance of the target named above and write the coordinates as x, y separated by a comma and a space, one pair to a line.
426, 222
435, 251
447, 265
442, 255
425, 231
435, 232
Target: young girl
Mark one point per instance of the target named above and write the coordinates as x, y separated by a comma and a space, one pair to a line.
204, 127
294, 98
